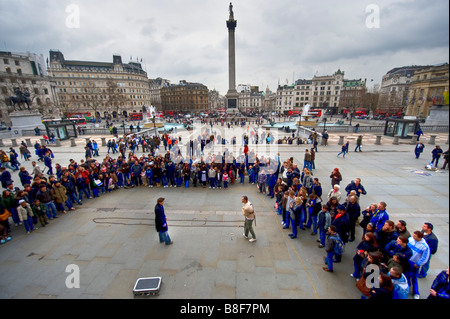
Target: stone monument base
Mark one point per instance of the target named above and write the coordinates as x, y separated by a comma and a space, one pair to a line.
25, 120
439, 115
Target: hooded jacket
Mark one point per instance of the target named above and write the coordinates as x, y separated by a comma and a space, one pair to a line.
401, 288
420, 250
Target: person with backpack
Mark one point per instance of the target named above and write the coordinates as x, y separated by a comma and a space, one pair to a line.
334, 246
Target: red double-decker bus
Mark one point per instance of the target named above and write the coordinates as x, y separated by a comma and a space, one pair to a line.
85, 115
315, 112
136, 116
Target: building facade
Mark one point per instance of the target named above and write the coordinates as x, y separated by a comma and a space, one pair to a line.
352, 96
395, 87
103, 89
184, 97
285, 99
326, 92
430, 87
302, 93
26, 72
250, 98
155, 86
216, 101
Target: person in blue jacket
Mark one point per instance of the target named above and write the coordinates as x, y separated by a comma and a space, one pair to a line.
272, 181
356, 186
48, 163
433, 242
161, 222
379, 217
171, 173
419, 132
437, 152
419, 149
439, 288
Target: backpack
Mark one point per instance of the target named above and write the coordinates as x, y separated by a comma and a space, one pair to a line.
339, 245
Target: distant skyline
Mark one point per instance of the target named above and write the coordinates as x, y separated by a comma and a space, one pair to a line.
276, 42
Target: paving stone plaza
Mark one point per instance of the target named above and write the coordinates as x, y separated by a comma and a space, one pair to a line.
113, 241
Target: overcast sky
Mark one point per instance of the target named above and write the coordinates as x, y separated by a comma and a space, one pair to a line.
276, 41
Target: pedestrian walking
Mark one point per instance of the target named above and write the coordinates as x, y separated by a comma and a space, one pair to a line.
359, 143
161, 222
249, 213
419, 149
437, 152
325, 137
343, 151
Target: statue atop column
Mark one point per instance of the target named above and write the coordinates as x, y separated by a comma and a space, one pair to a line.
231, 12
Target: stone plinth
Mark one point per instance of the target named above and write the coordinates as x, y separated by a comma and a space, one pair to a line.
439, 115
25, 120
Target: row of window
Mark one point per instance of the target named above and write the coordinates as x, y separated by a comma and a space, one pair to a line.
97, 90
101, 97
16, 62
99, 76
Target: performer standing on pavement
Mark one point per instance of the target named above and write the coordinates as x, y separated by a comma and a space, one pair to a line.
249, 213
161, 222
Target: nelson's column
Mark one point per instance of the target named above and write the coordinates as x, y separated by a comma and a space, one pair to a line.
232, 95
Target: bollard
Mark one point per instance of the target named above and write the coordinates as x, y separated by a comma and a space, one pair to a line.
28, 142
14, 142
57, 142
448, 138
396, 140
72, 142
432, 140
378, 141
104, 141
341, 140
1, 143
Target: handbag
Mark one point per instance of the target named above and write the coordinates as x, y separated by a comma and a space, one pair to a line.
6, 214
361, 285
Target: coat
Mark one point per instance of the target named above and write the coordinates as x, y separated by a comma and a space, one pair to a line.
24, 212
60, 194
160, 219
342, 225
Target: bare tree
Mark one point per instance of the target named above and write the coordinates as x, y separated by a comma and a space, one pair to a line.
115, 96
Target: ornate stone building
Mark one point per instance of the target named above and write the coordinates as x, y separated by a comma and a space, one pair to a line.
184, 97
430, 87
326, 92
395, 87
352, 96
26, 72
103, 89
